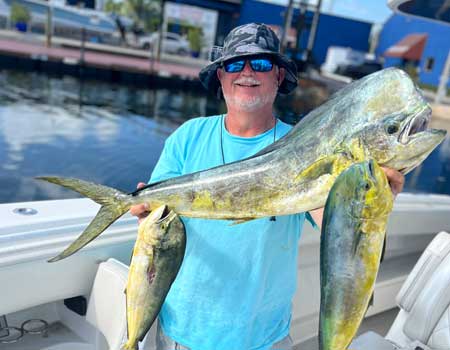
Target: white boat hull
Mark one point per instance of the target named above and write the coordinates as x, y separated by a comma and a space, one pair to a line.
26, 242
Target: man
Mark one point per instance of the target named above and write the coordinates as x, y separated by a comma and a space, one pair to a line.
236, 283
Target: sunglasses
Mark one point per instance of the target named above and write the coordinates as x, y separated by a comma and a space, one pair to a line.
257, 64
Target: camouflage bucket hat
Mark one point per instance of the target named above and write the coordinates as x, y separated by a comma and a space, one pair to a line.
249, 40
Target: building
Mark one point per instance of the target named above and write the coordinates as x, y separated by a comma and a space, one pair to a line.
215, 18
224, 12
331, 31
420, 43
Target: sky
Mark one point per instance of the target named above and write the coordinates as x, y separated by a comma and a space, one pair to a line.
375, 11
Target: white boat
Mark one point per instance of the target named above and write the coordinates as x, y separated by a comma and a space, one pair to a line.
78, 303
33, 289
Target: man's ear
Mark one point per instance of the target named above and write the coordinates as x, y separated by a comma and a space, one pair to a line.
281, 75
219, 73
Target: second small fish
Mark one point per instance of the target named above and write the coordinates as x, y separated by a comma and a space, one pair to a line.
353, 231
157, 257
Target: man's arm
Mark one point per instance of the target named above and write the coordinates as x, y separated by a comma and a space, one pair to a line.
317, 215
168, 166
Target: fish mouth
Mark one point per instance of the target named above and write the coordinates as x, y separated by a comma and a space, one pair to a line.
417, 123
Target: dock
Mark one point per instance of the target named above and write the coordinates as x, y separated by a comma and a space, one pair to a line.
92, 60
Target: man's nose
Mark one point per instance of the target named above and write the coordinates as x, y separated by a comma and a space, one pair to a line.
247, 68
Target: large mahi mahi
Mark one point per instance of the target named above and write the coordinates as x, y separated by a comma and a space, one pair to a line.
382, 116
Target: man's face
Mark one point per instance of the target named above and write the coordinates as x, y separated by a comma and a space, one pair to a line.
249, 90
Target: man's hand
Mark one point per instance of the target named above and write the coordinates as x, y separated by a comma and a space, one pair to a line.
396, 180
140, 210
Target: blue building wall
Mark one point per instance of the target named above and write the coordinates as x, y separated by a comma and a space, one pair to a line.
228, 14
332, 30
436, 47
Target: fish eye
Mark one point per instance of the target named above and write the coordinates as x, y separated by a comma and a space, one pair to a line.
392, 128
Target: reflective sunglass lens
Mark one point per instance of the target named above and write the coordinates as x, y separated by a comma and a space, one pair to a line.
261, 65
257, 64
234, 67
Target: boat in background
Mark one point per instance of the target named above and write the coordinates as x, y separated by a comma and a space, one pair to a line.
68, 21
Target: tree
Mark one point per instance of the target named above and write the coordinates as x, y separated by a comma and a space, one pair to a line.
144, 12
19, 13
195, 38
113, 6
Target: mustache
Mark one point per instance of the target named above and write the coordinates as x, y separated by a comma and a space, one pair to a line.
247, 81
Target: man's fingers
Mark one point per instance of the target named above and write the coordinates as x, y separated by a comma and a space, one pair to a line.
139, 209
396, 180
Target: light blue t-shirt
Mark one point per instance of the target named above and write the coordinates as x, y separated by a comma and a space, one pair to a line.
235, 286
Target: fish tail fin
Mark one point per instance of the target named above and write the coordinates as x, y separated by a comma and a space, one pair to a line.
113, 205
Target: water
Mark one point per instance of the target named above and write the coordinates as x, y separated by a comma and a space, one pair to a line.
111, 134
107, 134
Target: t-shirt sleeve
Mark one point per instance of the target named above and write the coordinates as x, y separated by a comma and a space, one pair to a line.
170, 163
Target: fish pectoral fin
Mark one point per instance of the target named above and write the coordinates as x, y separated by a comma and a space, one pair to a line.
356, 241
151, 269
332, 165
316, 169
241, 221
371, 301
383, 251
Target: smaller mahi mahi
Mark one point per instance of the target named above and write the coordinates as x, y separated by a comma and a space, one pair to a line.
353, 232
157, 257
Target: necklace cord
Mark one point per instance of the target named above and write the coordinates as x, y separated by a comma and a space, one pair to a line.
272, 218
221, 135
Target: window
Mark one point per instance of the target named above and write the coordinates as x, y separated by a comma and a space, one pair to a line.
429, 64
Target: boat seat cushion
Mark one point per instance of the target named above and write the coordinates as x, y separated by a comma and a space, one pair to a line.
440, 337
431, 304
431, 258
107, 303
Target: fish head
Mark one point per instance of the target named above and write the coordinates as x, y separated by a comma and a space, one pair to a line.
157, 224
395, 129
369, 191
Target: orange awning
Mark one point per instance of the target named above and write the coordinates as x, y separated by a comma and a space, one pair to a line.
410, 47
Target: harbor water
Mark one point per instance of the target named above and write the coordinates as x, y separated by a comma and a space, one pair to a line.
113, 134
